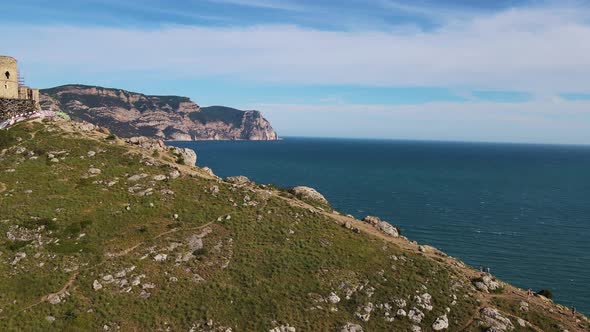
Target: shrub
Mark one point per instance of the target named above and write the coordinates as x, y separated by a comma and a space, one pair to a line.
111, 137
546, 293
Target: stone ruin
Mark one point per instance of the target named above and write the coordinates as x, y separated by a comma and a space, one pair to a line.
16, 99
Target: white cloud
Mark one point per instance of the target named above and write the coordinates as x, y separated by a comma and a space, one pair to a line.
539, 50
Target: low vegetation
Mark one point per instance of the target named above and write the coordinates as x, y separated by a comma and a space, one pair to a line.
97, 235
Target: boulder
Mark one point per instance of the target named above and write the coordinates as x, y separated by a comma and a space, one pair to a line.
308, 193
486, 284
239, 180
494, 320
382, 226
96, 285
187, 156
415, 315
333, 298
441, 323
208, 171
350, 327
147, 143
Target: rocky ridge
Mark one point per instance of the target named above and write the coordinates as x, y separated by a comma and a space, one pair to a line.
222, 250
129, 114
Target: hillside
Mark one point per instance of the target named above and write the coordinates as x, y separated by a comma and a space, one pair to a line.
106, 234
129, 114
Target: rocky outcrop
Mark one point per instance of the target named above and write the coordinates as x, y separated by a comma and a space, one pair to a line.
494, 320
487, 284
382, 226
185, 156
309, 193
129, 114
238, 180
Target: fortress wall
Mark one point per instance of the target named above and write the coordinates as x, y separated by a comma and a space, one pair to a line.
13, 107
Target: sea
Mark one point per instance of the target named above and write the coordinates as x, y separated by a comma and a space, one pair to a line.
521, 210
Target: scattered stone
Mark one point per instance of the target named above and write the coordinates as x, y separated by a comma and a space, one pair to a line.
18, 257
94, 171
333, 298
350, 327
492, 318
160, 257
364, 313
137, 177
214, 190
96, 285
282, 328
308, 193
521, 322
382, 226
486, 284
54, 299
416, 328
523, 306
167, 192
50, 319
424, 301
174, 174
208, 171
238, 180
91, 154
159, 177
415, 315
441, 323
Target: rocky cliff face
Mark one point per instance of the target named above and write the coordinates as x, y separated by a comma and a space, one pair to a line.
129, 114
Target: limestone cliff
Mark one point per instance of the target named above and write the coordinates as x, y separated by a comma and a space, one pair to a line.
129, 114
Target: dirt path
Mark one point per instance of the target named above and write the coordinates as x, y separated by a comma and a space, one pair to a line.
130, 249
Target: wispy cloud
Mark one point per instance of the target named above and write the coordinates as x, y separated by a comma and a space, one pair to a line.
432, 11
530, 50
265, 4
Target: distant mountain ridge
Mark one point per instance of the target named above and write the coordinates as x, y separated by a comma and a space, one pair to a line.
129, 114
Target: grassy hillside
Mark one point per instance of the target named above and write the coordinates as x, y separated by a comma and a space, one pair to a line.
99, 235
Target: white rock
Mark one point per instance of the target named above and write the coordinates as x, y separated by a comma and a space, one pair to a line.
96, 285
415, 315
333, 298
308, 193
160, 257
441, 323
350, 327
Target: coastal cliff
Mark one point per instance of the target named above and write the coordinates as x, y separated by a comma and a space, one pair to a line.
129, 114
104, 233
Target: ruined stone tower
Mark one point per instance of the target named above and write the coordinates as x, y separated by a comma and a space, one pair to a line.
8, 78
16, 99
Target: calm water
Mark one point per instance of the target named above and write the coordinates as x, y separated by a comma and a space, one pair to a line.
523, 210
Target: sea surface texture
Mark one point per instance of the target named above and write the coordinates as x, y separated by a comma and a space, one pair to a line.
521, 210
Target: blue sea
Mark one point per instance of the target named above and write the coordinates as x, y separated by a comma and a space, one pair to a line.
522, 210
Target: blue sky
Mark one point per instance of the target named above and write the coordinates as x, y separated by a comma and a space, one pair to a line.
503, 70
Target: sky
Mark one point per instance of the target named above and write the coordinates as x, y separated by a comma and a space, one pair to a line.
460, 70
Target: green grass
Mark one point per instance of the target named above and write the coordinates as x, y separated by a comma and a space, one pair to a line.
280, 257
